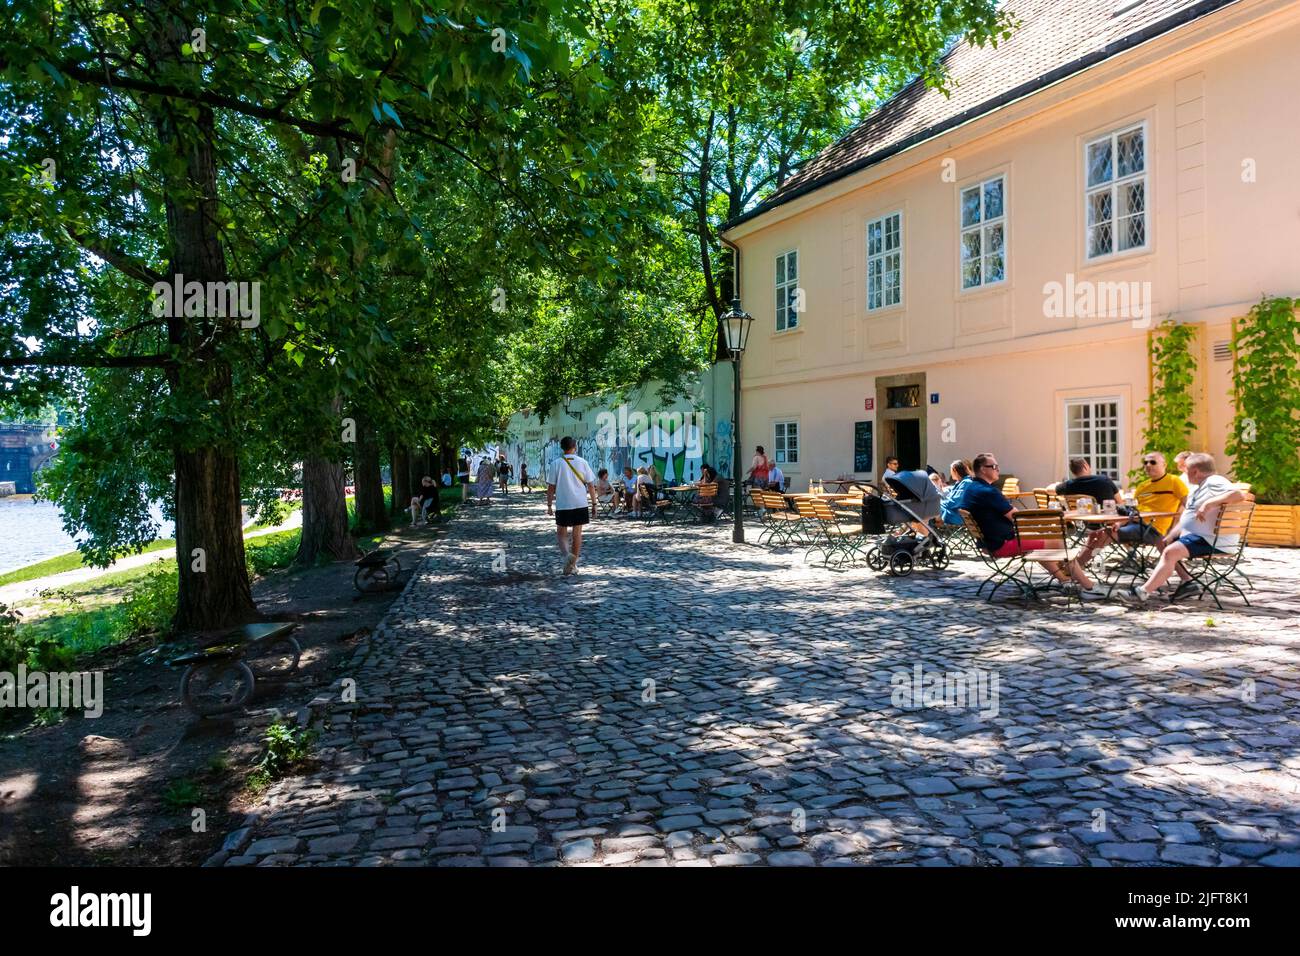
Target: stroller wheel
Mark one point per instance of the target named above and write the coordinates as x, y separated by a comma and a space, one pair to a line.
900, 563
875, 560
939, 558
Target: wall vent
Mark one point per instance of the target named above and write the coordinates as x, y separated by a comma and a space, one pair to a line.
1223, 351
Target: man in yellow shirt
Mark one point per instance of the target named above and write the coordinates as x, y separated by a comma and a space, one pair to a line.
1160, 492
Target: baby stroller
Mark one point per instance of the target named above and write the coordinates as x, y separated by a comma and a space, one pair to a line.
910, 496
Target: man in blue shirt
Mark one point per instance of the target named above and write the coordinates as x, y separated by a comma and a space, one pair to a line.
992, 512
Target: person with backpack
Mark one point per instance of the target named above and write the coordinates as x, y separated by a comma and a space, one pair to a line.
571, 498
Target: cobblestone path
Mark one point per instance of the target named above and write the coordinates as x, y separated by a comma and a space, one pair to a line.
683, 701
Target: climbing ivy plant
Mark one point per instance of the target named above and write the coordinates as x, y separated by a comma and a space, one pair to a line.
1265, 439
1171, 404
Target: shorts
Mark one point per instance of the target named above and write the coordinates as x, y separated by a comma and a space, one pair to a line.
1012, 547
1197, 547
571, 517
1135, 533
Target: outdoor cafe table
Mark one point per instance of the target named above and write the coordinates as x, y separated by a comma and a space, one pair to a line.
681, 496
1133, 562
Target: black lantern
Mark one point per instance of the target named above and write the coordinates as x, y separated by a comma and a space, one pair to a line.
735, 324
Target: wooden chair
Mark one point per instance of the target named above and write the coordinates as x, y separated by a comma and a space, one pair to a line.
1043, 525
703, 502
831, 536
1011, 487
1043, 498
1215, 571
1001, 570
783, 525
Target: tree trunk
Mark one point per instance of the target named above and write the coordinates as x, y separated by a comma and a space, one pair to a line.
213, 590
400, 457
368, 479
324, 514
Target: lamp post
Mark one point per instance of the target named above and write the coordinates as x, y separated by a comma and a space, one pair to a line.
735, 323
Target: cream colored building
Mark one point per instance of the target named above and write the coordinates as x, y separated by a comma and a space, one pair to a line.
981, 272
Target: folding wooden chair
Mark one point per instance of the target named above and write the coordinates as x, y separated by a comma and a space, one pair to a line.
783, 525
844, 537
1043, 525
703, 502
1215, 571
1001, 570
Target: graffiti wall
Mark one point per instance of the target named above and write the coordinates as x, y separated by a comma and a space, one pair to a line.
614, 431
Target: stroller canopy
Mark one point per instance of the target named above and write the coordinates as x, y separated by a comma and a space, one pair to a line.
916, 493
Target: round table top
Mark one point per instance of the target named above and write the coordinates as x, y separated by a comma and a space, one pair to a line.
824, 496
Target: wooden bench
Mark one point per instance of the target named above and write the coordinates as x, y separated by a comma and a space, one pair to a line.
218, 678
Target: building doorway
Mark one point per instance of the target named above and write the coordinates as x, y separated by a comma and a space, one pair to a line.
907, 443
900, 419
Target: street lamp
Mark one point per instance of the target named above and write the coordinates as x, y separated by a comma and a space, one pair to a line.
735, 323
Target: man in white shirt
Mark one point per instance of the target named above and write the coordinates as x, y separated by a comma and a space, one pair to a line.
1193, 534
570, 485
776, 478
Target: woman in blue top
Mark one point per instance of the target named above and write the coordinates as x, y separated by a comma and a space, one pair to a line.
954, 497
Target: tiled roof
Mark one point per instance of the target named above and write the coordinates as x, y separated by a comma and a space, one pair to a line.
1055, 38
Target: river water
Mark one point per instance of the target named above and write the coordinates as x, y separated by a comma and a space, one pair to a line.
32, 531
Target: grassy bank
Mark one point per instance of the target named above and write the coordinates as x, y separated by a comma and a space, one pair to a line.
72, 561
61, 625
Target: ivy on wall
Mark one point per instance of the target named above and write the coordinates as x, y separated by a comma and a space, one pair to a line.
1170, 407
1265, 439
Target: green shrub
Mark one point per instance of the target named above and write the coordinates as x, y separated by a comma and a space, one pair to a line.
1265, 439
271, 551
286, 748
181, 795
1171, 405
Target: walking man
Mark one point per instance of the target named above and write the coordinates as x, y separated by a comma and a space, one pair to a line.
570, 487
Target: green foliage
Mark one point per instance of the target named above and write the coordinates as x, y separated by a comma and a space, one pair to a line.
182, 795
1172, 403
270, 552
1265, 439
55, 642
287, 748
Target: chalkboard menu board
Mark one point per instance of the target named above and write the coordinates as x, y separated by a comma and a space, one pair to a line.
862, 446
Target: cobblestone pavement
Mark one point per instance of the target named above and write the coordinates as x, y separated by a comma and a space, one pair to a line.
683, 701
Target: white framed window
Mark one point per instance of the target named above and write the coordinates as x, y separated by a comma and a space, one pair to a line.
1092, 431
785, 443
984, 233
885, 261
789, 298
1115, 192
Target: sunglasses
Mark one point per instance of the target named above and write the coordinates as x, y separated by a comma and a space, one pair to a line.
1150, 461
994, 467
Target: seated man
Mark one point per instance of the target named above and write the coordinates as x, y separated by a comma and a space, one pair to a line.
425, 501
993, 513
606, 494
1083, 482
1160, 492
1193, 535
891, 468
626, 490
775, 478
